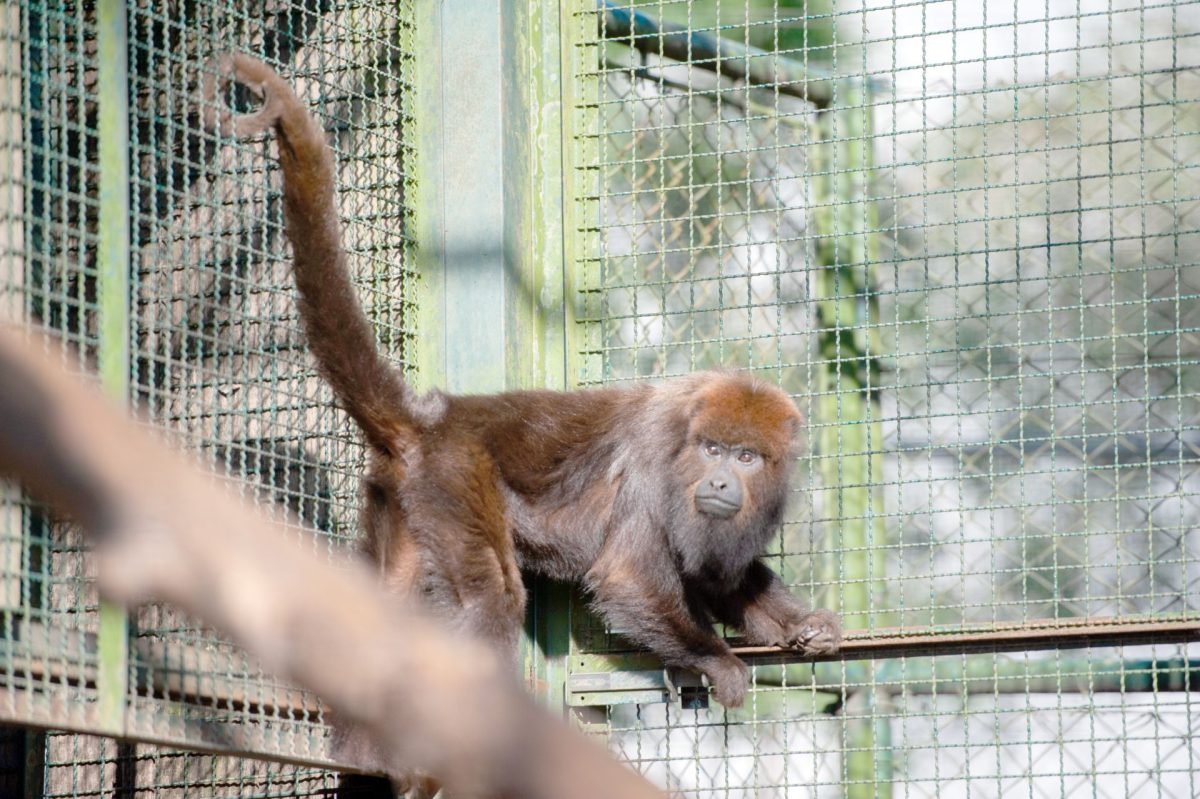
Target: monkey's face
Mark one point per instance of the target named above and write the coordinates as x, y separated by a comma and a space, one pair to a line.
735, 462
736, 496
721, 491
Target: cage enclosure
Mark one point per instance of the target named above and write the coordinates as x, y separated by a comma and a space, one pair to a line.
960, 235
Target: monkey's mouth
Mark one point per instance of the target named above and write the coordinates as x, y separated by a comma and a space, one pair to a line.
716, 507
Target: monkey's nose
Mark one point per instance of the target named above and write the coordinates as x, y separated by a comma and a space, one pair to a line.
719, 485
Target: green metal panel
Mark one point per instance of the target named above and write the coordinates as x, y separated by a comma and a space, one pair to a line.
428, 229
533, 195
471, 217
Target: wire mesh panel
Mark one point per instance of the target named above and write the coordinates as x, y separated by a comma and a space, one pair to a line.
960, 235
48, 276
219, 353
217, 359
88, 767
1078, 724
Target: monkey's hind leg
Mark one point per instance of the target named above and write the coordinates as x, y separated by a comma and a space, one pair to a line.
469, 575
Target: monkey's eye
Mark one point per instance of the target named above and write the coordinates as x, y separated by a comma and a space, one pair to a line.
747, 456
711, 449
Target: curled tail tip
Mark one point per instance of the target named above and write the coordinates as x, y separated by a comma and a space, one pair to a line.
256, 76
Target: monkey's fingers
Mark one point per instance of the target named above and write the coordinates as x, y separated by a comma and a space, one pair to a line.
256, 76
729, 678
818, 633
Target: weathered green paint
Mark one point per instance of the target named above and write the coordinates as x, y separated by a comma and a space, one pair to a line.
460, 194
112, 263
849, 435
489, 235
583, 364
430, 354
534, 312
580, 246
533, 196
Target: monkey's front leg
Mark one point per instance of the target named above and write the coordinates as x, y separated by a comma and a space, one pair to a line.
769, 614
654, 612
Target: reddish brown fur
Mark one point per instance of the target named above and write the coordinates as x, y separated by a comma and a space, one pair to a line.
751, 413
601, 486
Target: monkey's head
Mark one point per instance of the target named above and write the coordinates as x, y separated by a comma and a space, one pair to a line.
740, 445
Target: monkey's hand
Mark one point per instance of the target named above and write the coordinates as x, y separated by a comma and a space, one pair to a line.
728, 676
816, 632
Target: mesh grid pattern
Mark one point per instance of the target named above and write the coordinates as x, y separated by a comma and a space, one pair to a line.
218, 361
87, 767
965, 247
220, 355
48, 218
959, 234
1099, 722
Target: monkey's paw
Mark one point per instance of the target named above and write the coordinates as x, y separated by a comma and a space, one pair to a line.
729, 679
818, 632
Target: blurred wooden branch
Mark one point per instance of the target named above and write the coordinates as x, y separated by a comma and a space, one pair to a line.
163, 531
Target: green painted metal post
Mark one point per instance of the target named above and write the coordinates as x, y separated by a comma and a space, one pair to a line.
534, 291
112, 261
849, 434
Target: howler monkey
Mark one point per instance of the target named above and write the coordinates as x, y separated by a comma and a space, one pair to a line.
659, 498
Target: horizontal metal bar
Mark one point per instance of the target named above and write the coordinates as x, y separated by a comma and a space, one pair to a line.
1067, 634
21, 708
978, 676
760, 68
920, 677
634, 677
175, 683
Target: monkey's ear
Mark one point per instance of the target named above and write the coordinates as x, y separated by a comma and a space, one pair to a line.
795, 428
796, 423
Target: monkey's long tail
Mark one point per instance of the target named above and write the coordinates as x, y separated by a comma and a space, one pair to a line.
339, 334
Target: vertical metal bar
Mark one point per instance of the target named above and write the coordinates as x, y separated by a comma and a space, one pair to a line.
849, 437
577, 45
534, 288
576, 42
533, 195
112, 261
